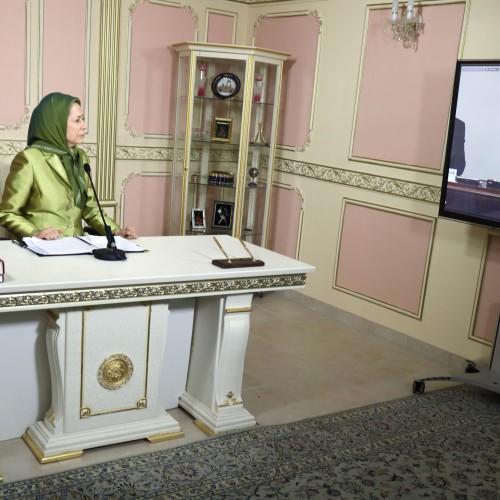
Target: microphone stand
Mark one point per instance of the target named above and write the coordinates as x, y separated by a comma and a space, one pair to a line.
111, 252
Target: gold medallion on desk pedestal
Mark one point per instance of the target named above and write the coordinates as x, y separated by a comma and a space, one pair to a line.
115, 371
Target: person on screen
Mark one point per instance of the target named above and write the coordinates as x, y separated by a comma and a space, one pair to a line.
457, 157
47, 193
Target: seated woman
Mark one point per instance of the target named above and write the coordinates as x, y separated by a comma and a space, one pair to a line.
47, 193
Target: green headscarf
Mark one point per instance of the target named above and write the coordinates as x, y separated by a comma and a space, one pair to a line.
47, 131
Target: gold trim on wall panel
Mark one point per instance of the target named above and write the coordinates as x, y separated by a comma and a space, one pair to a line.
125, 181
377, 161
11, 147
83, 98
107, 97
234, 15
166, 3
27, 74
387, 185
298, 190
477, 297
315, 13
411, 215
144, 153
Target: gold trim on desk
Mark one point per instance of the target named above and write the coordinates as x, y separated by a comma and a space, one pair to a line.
156, 438
45, 300
203, 428
52, 458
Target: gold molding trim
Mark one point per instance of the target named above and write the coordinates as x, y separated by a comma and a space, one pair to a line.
115, 371
14, 147
233, 15
489, 235
238, 310
203, 428
22, 121
432, 220
143, 153
66, 297
11, 147
52, 458
109, 31
50, 416
85, 412
230, 401
388, 185
314, 13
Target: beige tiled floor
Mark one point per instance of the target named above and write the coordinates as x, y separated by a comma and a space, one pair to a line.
299, 363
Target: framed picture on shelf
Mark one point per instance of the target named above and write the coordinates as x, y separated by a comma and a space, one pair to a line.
223, 215
221, 129
198, 221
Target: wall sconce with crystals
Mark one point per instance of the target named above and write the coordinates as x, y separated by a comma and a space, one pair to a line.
406, 28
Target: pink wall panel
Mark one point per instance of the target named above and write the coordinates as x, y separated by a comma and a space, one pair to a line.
63, 47
383, 255
298, 36
12, 57
285, 221
153, 65
146, 204
405, 94
220, 28
488, 309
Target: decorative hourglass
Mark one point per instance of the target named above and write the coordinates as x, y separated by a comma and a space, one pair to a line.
257, 87
202, 78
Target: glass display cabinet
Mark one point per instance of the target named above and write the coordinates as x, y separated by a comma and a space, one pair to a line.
225, 135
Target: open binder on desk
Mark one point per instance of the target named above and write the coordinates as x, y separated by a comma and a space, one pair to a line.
78, 245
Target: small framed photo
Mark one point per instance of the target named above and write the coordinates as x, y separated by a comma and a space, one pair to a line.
223, 215
221, 129
198, 221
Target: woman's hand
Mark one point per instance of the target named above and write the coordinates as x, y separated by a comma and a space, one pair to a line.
49, 233
127, 232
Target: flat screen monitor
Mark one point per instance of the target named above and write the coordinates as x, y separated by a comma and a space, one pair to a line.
471, 176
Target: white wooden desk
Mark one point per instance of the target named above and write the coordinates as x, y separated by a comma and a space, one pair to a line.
106, 332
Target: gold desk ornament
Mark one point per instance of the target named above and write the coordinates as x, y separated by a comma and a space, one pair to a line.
259, 137
229, 263
115, 371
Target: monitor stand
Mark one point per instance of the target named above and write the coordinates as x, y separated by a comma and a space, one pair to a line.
489, 379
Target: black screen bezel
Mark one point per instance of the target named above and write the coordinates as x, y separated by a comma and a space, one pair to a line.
443, 211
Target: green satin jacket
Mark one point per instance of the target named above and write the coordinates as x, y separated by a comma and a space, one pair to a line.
37, 194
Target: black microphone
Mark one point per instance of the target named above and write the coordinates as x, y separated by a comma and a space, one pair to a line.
111, 252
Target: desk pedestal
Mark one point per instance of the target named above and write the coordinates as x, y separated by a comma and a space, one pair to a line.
220, 335
105, 363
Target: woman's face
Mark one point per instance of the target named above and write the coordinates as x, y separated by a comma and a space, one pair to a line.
75, 130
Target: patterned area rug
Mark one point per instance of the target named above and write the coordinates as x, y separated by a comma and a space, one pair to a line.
440, 445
